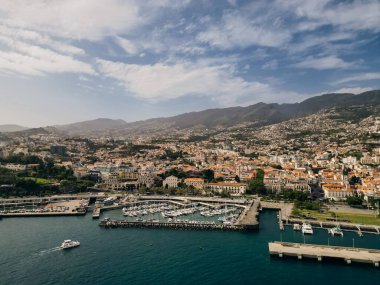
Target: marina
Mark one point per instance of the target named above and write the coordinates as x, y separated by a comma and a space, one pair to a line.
320, 252
197, 215
69, 207
202, 252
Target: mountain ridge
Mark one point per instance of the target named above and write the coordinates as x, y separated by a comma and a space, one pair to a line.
258, 114
8, 128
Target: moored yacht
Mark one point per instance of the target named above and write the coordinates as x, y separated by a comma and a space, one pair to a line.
307, 229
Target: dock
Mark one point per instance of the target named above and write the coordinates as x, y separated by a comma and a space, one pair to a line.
42, 214
320, 252
249, 217
171, 225
364, 229
96, 213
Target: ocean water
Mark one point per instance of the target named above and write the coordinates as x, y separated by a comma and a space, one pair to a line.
29, 255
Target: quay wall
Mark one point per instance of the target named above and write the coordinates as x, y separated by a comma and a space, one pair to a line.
320, 252
173, 225
50, 214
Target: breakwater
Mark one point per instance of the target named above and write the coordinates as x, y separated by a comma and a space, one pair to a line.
173, 225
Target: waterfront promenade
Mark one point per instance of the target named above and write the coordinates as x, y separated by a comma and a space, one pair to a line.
319, 252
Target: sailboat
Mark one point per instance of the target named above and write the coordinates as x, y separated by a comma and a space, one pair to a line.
336, 231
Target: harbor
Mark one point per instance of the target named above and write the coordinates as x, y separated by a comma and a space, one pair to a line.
321, 252
108, 252
45, 208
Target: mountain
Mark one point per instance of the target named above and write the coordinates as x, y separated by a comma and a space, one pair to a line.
258, 114
91, 126
11, 128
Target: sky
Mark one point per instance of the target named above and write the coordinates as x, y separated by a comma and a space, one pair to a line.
75, 60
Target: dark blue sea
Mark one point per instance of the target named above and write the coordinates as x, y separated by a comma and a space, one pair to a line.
29, 255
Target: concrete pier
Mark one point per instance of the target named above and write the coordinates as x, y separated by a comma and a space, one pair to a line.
42, 214
96, 213
320, 252
249, 217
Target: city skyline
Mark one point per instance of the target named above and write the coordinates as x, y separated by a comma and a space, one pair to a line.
62, 62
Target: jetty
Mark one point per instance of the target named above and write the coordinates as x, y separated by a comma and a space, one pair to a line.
320, 252
96, 213
107, 223
364, 229
42, 214
249, 217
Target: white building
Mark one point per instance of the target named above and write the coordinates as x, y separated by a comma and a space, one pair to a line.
337, 192
234, 188
171, 182
15, 167
195, 182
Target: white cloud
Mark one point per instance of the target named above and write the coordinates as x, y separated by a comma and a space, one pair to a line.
359, 77
28, 59
163, 81
353, 90
126, 45
83, 19
311, 41
347, 15
322, 63
238, 31
27, 35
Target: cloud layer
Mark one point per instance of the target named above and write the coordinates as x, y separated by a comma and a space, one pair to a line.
223, 52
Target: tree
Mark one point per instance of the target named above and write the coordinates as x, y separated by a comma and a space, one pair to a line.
225, 194
237, 178
256, 184
354, 180
208, 175
354, 200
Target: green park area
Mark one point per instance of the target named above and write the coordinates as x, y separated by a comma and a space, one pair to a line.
357, 218
42, 181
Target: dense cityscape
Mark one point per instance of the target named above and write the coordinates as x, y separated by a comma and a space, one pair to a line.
313, 160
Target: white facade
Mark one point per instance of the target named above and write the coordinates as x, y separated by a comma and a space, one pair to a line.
171, 182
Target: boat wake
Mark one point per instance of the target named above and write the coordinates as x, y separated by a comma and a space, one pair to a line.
50, 250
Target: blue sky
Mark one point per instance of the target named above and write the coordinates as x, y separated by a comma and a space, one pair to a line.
72, 60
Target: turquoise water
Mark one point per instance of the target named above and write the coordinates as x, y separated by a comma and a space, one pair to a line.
153, 256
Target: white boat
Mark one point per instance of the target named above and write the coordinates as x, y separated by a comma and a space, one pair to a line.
69, 244
336, 231
296, 227
307, 229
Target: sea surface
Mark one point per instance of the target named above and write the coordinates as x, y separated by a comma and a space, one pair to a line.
29, 255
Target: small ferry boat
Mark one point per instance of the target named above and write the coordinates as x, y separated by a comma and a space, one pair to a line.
69, 244
336, 231
307, 229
